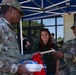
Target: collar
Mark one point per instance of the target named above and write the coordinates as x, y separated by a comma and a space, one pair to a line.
8, 23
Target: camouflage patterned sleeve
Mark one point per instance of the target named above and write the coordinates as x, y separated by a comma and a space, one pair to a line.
5, 65
1, 40
66, 50
3, 62
27, 57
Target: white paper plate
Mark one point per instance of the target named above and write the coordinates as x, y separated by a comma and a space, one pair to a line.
34, 67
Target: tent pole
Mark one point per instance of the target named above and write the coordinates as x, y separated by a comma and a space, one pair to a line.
21, 36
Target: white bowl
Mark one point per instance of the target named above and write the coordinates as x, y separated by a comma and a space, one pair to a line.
34, 67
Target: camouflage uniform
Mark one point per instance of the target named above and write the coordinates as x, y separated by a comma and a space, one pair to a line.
9, 49
69, 49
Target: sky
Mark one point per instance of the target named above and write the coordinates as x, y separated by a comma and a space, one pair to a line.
51, 21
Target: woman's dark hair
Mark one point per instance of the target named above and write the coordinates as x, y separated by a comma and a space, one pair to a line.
23, 35
49, 43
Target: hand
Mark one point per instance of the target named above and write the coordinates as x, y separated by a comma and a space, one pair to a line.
58, 54
27, 44
54, 54
22, 69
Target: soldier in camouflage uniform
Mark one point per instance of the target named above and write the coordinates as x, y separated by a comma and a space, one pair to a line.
69, 49
9, 49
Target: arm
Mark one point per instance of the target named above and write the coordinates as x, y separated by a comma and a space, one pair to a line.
58, 54
57, 67
9, 54
27, 43
66, 50
5, 63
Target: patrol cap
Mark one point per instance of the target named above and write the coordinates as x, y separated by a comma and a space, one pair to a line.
13, 3
52, 34
74, 25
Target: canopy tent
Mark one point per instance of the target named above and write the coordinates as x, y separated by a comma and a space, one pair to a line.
43, 8
35, 9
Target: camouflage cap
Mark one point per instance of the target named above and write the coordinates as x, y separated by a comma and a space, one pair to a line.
74, 25
13, 3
